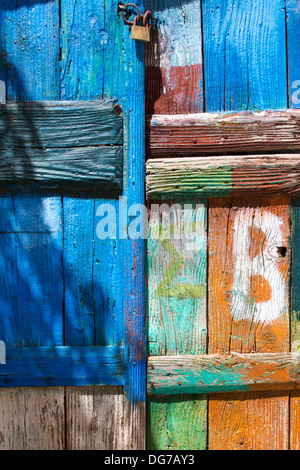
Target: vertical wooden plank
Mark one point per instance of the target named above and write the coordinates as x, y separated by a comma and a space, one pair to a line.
174, 82
95, 64
78, 258
249, 263
97, 420
32, 418
107, 282
295, 318
244, 54
31, 285
293, 21
177, 315
124, 82
83, 41
31, 312
29, 57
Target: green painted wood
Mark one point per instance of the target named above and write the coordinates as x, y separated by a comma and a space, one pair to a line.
55, 124
62, 366
177, 422
177, 314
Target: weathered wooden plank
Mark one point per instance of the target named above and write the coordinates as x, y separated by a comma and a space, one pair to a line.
131, 94
84, 38
213, 133
295, 292
249, 262
223, 176
244, 55
78, 259
62, 365
177, 422
58, 124
100, 166
174, 74
250, 421
107, 289
97, 418
177, 314
29, 48
100, 60
31, 291
173, 375
295, 317
32, 418
292, 27
293, 18
31, 273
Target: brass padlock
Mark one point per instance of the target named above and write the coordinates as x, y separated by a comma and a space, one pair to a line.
140, 33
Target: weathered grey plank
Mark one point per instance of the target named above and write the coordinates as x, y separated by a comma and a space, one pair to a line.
200, 134
173, 375
57, 124
95, 419
32, 418
100, 165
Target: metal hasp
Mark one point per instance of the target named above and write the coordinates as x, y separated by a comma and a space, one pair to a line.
138, 32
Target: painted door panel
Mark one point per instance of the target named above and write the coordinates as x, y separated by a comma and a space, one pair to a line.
61, 286
237, 62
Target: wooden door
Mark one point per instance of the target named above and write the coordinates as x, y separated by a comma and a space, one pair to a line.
223, 301
72, 310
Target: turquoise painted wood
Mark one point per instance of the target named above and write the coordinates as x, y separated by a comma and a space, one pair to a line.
61, 286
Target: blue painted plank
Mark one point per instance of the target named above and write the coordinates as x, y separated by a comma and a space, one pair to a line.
108, 278
29, 49
31, 242
84, 39
31, 274
244, 55
293, 39
62, 366
78, 260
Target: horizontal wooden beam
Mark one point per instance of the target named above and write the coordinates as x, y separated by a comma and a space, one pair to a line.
211, 133
62, 366
59, 124
172, 375
223, 176
54, 142
101, 166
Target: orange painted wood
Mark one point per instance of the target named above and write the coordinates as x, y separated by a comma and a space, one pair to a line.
249, 262
295, 421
